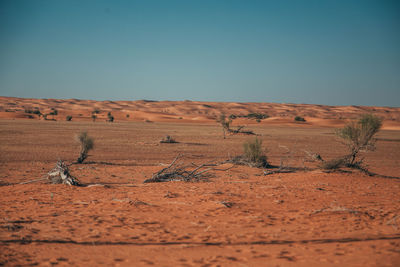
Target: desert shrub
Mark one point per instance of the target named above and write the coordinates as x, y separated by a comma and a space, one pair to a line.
96, 111
254, 154
86, 142
358, 136
298, 118
232, 116
33, 111
127, 115
68, 118
53, 112
257, 116
94, 117
168, 139
110, 117
225, 123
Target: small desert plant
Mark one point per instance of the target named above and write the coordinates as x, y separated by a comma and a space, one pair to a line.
127, 115
110, 117
34, 111
53, 112
298, 118
225, 123
257, 116
68, 118
254, 154
94, 117
358, 136
168, 139
86, 143
96, 111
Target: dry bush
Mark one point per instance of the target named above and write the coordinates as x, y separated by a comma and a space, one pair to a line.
179, 172
358, 137
86, 143
225, 123
226, 126
168, 140
253, 156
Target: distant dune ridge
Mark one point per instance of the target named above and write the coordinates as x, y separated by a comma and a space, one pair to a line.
192, 111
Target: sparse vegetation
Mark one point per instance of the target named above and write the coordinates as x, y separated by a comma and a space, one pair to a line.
300, 119
53, 112
257, 116
225, 123
253, 156
94, 117
86, 142
226, 126
33, 111
110, 117
169, 140
68, 118
96, 111
179, 172
254, 153
358, 137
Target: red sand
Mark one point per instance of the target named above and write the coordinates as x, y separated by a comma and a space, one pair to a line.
303, 218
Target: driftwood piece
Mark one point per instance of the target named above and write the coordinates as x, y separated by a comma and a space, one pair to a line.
60, 175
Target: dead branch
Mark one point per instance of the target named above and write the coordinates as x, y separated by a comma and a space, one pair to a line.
179, 172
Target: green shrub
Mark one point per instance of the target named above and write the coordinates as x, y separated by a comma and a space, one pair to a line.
358, 136
110, 117
68, 118
257, 116
298, 118
53, 112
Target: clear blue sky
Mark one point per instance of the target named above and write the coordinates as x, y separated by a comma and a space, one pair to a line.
323, 52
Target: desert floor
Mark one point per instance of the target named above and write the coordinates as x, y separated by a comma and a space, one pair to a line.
238, 217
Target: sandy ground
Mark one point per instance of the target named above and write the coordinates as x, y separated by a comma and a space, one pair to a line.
238, 217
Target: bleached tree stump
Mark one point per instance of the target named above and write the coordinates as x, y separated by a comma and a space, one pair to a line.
60, 175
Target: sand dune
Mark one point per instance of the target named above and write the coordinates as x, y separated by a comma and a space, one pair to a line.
193, 111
